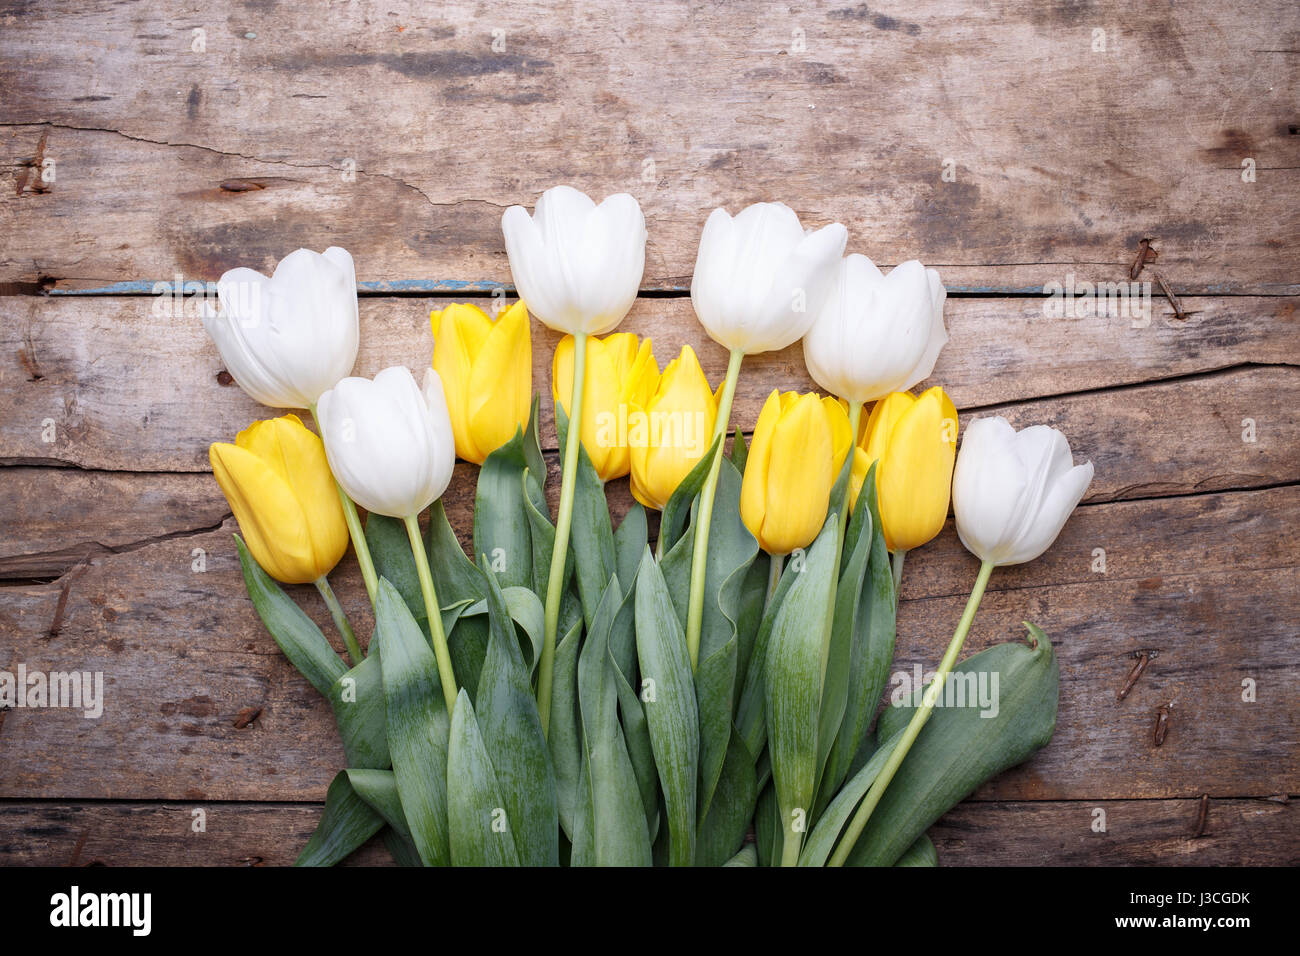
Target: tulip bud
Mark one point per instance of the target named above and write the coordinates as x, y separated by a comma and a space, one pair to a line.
390, 444
876, 333
759, 280
577, 265
288, 338
279, 486
674, 430
799, 445
621, 376
486, 369
914, 441
1013, 491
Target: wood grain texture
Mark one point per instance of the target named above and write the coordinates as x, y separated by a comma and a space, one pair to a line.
975, 833
78, 364
1066, 147
183, 653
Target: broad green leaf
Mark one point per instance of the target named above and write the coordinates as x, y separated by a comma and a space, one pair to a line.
767, 828
751, 708
467, 642
872, 650
591, 536
920, 853
960, 747
732, 808
794, 685
455, 578
614, 832
629, 541
748, 856
821, 842
526, 610
479, 824
401, 849
739, 451
296, 634
379, 789
359, 710
390, 549
670, 705
417, 723
753, 596
565, 738
513, 737
348, 822
541, 532
502, 540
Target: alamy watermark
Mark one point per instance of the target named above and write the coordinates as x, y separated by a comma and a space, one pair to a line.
70, 690
977, 689
1081, 299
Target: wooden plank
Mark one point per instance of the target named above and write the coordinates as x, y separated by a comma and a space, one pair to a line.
1057, 833
78, 364
1065, 146
183, 654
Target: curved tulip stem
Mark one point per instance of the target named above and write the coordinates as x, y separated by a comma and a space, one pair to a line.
864, 811
563, 524
340, 619
356, 532
899, 557
704, 517
445, 674
776, 563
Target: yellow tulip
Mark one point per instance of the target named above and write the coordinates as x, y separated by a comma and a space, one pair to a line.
672, 431
279, 485
621, 375
799, 446
486, 369
914, 440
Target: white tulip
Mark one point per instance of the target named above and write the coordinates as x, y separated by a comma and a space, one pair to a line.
759, 279
389, 443
876, 333
1013, 491
577, 265
287, 338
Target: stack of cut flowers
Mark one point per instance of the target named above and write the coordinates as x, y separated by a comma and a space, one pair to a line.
578, 693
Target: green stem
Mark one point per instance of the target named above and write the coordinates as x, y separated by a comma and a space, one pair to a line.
356, 532
899, 557
340, 619
445, 674
776, 563
863, 814
563, 524
700, 552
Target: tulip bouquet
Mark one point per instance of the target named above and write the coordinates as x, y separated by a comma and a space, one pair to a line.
584, 693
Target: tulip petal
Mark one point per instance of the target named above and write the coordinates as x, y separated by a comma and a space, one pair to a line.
915, 474
798, 477
500, 384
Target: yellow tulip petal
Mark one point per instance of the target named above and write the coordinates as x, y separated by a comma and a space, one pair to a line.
270, 517
841, 433
798, 476
753, 488
914, 479
501, 382
680, 420
884, 416
458, 336
861, 465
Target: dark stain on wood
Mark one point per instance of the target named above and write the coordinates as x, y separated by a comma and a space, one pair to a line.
878, 20
192, 101
241, 185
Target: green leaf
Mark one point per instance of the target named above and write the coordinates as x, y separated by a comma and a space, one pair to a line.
296, 634
872, 650
361, 715
379, 789
821, 843
541, 531
739, 451
565, 739
417, 723
629, 541
348, 822
920, 853
390, 549
502, 539
723, 830
525, 609
767, 828
672, 711
455, 578
479, 835
751, 709
513, 737
401, 849
794, 684
591, 536
613, 831
749, 616
958, 749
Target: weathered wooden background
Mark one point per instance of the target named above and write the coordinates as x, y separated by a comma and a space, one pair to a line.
134, 149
